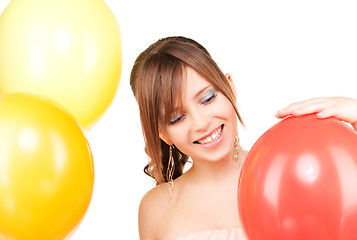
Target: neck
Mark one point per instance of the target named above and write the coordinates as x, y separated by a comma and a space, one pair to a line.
218, 171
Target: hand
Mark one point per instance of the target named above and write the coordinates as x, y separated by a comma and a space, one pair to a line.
342, 108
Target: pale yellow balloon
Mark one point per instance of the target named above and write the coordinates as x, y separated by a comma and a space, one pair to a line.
46, 169
67, 50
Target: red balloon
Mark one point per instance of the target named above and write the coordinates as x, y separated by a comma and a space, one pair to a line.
299, 181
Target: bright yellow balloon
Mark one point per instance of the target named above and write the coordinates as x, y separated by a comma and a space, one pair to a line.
67, 50
46, 169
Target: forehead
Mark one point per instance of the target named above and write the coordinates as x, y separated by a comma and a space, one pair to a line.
193, 83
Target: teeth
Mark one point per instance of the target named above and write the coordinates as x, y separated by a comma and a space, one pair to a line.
212, 137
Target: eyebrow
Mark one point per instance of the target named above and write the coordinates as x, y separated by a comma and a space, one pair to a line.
201, 91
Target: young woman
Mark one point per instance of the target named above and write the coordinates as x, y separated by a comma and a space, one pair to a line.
187, 109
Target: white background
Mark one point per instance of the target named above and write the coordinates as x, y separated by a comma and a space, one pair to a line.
277, 51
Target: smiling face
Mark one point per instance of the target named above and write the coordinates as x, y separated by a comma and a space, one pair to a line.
157, 79
204, 125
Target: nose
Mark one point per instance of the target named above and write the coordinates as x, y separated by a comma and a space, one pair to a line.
199, 120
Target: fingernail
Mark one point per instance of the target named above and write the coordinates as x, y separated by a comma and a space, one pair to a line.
321, 115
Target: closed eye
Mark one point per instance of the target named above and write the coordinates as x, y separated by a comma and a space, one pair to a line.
208, 97
176, 118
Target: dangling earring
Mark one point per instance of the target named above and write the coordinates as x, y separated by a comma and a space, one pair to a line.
169, 174
236, 158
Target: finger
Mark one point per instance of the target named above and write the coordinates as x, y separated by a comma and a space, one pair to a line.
309, 108
306, 102
326, 113
302, 107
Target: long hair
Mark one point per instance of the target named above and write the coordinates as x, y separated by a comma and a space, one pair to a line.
156, 81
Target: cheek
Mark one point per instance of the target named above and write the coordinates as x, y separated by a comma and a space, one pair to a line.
181, 140
225, 109
178, 135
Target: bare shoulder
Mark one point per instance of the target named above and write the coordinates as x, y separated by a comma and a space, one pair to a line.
152, 212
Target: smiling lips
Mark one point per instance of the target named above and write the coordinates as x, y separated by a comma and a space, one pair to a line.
212, 137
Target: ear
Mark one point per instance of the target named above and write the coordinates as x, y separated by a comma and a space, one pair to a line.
231, 83
164, 137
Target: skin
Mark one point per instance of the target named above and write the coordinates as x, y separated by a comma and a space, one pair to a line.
204, 197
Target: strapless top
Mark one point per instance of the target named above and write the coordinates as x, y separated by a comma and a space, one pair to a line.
224, 234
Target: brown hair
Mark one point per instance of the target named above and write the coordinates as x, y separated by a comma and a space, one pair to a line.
156, 80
